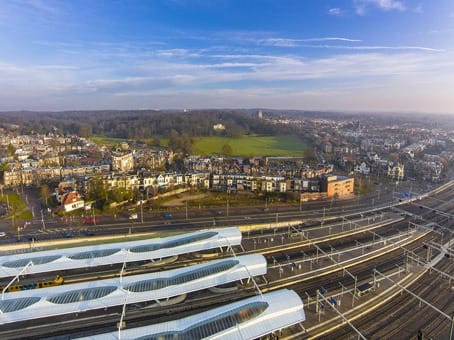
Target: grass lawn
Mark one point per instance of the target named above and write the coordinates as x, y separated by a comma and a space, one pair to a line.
18, 207
102, 140
246, 146
106, 140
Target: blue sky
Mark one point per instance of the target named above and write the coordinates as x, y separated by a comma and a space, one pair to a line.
355, 55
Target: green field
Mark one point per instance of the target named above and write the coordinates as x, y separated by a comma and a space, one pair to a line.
18, 208
102, 140
106, 140
246, 146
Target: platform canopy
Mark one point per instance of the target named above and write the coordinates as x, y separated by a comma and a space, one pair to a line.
107, 254
246, 319
81, 297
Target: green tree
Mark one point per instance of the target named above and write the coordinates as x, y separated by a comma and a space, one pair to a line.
227, 150
45, 192
97, 192
85, 130
310, 156
11, 149
4, 167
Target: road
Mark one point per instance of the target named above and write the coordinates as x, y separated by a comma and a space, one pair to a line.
46, 226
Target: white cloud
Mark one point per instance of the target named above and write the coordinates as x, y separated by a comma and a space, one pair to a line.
361, 6
365, 48
360, 9
332, 39
388, 5
187, 78
286, 42
335, 11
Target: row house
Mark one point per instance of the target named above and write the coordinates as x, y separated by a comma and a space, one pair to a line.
346, 149
22, 154
392, 145
313, 173
127, 182
30, 163
273, 184
362, 168
198, 164
163, 180
239, 182
150, 159
17, 140
200, 179
35, 176
123, 162
303, 184
396, 171
430, 170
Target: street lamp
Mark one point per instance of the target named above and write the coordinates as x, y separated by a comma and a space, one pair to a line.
141, 209
42, 220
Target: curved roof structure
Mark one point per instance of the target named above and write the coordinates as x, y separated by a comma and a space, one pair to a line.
74, 298
92, 256
247, 319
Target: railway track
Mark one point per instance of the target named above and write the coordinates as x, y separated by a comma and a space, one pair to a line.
401, 317
101, 321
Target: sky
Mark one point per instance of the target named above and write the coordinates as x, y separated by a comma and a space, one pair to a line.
341, 55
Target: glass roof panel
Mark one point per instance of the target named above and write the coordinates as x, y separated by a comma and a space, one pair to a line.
215, 324
36, 260
13, 305
173, 243
94, 254
153, 284
81, 295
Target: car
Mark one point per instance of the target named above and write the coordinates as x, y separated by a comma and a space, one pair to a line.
167, 215
90, 220
69, 234
2, 234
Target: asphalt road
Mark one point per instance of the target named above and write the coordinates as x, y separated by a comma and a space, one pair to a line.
45, 226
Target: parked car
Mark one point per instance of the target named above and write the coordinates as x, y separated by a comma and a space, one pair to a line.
2, 234
167, 215
90, 233
90, 220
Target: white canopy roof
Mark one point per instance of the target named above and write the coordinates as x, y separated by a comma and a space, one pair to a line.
247, 319
73, 298
105, 254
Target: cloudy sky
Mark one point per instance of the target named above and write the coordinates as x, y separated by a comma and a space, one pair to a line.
368, 55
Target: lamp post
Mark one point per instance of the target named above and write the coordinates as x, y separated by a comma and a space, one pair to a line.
42, 220
141, 210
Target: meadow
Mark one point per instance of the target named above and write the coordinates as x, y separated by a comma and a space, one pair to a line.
245, 146
252, 145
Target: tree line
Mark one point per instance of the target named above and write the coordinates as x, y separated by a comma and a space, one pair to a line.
141, 124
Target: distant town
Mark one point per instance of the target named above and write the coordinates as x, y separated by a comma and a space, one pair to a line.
343, 155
